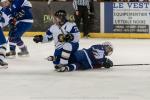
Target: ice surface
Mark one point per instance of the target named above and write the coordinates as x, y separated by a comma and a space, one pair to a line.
34, 78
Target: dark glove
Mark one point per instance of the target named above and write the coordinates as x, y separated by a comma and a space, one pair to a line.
61, 38
12, 23
69, 37
20, 14
2, 20
38, 38
61, 68
51, 58
107, 63
65, 38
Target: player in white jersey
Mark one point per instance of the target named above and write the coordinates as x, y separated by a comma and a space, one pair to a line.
3, 22
66, 38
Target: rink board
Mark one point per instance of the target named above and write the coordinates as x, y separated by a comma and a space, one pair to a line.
100, 35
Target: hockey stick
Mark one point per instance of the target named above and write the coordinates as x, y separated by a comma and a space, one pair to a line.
131, 64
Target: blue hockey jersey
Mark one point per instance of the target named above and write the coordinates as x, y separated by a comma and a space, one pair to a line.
90, 58
3, 22
23, 6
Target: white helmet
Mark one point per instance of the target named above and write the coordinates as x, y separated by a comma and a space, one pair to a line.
108, 48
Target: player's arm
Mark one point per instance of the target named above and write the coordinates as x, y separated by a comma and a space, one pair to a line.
8, 17
100, 58
13, 13
15, 7
73, 35
43, 39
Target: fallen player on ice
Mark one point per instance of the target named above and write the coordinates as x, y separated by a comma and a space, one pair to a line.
85, 59
67, 57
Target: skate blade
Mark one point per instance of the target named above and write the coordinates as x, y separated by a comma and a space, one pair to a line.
10, 57
24, 55
4, 67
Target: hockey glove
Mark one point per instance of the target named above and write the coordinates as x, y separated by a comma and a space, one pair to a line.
51, 58
107, 63
69, 37
2, 20
61, 68
38, 38
61, 38
12, 23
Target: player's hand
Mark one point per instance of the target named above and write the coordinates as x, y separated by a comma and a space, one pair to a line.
2, 20
61, 38
69, 38
51, 58
38, 38
77, 13
12, 23
107, 63
61, 68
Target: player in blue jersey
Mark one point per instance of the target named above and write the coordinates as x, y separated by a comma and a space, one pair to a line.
2, 47
66, 38
21, 20
3, 22
91, 58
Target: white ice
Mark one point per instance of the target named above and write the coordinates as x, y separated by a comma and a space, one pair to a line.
34, 78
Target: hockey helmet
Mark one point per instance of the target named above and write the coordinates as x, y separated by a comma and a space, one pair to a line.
61, 15
108, 48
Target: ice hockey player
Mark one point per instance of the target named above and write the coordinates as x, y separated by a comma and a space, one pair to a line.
91, 58
21, 20
3, 44
66, 38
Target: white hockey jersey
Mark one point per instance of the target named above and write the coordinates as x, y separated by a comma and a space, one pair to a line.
68, 28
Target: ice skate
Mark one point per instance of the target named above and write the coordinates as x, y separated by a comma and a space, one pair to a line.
11, 54
3, 65
24, 52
